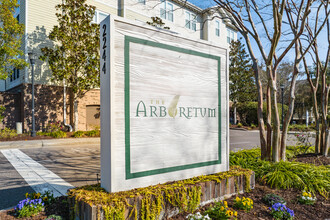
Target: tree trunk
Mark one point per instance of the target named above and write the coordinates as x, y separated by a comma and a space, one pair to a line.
235, 114
317, 123
289, 114
275, 117
269, 125
261, 124
325, 126
75, 110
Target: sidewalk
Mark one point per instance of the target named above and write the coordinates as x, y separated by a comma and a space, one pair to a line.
49, 143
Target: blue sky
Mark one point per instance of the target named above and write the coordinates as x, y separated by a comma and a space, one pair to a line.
289, 57
203, 3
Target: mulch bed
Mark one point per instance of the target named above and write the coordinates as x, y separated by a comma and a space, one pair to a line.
312, 158
320, 210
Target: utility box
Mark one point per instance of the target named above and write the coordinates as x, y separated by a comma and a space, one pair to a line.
19, 128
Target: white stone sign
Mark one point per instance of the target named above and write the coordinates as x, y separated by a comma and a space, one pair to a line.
164, 106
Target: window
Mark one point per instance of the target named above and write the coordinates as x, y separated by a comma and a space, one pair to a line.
99, 16
166, 10
142, 1
230, 35
14, 75
217, 28
191, 21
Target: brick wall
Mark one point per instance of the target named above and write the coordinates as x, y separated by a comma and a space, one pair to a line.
12, 103
49, 106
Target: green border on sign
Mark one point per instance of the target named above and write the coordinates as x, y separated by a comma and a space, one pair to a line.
130, 175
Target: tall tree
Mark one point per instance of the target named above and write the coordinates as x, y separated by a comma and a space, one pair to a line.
241, 77
254, 20
318, 76
76, 56
11, 33
297, 21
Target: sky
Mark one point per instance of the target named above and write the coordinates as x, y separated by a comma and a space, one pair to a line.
289, 57
203, 3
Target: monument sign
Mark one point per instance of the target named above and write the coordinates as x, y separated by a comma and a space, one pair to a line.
164, 106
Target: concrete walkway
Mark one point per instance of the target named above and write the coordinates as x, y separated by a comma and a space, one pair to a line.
48, 143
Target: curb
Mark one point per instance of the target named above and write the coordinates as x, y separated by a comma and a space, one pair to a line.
49, 143
239, 129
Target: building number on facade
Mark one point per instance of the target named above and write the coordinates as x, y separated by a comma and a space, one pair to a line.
104, 56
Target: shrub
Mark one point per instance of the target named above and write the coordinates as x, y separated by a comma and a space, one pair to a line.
58, 134
78, 134
271, 199
239, 125
93, 133
292, 151
2, 110
54, 217
301, 127
284, 174
280, 211
248, 111
253, 126
245, 204
220, 210
8, 133
29, 207
53, 127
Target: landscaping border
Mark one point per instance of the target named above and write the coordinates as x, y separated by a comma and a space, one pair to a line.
211, 191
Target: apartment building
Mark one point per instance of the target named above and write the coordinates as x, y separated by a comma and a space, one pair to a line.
38, 17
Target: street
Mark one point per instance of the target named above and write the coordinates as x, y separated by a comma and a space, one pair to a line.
28, 168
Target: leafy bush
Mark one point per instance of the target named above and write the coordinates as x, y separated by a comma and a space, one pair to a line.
301, 127
284, 174
41, 133
29, 207
292, 151
253, 125
54, 217
280, 211
58, 134
220, 210
2, 110
93, 133
239, 125
53, 127
271, 199
245, 204
248, 111
8, 133
78, 134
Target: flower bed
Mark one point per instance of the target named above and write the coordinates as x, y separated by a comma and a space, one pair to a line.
160, 201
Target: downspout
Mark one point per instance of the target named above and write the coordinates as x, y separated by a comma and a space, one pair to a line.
64, 107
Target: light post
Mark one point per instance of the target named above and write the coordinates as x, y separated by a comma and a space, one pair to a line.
33, 57
282, 89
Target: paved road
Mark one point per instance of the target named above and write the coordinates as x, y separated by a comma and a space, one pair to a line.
54, 165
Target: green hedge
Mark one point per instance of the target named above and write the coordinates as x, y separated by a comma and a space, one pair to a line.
248, 112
